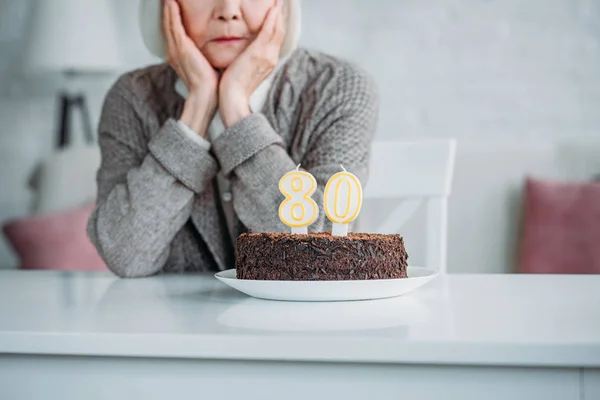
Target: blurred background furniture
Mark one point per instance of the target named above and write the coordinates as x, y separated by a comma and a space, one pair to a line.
71, 40
74, 39
561, 228
55, 241
415, 173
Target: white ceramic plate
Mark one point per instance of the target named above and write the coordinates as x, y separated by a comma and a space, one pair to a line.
329, 290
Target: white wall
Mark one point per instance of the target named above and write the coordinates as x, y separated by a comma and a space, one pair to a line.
508, 78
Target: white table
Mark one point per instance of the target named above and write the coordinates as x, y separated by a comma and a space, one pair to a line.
93, 336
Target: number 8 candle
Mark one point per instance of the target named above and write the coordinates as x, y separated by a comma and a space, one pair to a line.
298, 210
342, 201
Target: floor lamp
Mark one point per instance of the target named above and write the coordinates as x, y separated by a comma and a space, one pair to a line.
75, 38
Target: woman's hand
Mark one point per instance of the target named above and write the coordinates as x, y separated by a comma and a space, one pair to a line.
192, 67
251, 67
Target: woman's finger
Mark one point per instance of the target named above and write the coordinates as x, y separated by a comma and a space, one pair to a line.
266, 32
178, 30
167, 25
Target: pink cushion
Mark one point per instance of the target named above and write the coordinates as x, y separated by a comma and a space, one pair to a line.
561, 230
57, 241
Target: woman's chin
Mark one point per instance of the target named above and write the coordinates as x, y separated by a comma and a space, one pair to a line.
222, 60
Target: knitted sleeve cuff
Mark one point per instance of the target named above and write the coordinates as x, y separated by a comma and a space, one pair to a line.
191, 164
189, 132
243, 140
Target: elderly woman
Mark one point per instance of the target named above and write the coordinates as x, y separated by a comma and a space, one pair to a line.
193, 149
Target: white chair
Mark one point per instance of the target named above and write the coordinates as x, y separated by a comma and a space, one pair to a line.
422, 173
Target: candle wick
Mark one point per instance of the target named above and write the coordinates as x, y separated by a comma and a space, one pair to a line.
298, 167
343, 168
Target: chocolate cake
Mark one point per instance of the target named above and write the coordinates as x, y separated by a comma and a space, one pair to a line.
320, 256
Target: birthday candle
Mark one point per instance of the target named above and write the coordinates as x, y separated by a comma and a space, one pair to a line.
298, 210
342, 201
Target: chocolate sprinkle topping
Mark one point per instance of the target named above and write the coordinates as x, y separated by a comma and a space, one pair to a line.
320, 256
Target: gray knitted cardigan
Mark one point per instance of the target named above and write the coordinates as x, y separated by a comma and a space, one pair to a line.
158, 208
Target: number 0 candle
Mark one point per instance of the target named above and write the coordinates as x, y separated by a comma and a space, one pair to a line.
342, 201
298, 210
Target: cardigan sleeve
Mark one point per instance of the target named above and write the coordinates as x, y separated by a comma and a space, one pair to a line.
145, 188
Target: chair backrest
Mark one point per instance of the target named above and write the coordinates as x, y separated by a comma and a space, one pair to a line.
415, 172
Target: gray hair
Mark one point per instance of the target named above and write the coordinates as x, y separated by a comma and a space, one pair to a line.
150, 19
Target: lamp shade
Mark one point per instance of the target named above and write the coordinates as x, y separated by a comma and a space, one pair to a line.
72, 35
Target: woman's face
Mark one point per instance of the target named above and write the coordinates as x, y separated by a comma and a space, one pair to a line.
222, 29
